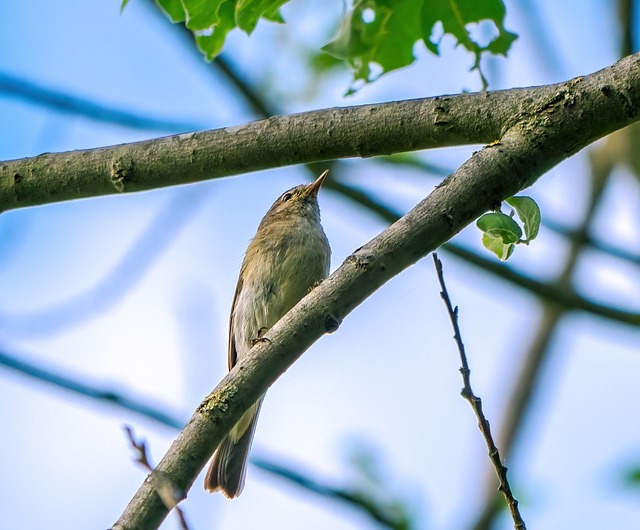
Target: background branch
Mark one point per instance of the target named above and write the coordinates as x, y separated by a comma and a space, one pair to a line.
21, 88
105, 395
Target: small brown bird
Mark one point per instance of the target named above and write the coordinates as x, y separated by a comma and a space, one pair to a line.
288, 256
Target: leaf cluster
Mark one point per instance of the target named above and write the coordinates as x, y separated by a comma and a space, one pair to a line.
501, 233
374, 36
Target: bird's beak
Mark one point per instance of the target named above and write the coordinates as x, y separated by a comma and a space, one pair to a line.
312, 189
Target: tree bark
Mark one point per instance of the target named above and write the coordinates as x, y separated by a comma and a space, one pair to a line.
601, 103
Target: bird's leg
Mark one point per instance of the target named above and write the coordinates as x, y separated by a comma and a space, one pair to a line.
315, 284
260, 337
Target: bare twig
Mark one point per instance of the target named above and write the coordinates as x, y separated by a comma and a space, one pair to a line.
476, 404
169, 494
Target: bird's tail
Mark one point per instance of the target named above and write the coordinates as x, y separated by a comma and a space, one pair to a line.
229, 465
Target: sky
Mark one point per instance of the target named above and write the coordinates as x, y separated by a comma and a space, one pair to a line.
131, 293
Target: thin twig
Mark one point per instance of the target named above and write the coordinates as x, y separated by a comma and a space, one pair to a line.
476, 404
166, 491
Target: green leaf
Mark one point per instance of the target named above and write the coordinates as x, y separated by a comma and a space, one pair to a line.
529, 213
211, 43
501, 233
249, 12
455, 15
496, 245
123, 5
211, 20
384, 32
273, 14
173, 9
203, 15
500, 225
375, 37
377, 32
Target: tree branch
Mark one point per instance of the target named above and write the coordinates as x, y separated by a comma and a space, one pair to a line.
601, 103
106, 395
386, 516
529, 148
31, 92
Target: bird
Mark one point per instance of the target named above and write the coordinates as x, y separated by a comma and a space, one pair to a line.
287, 257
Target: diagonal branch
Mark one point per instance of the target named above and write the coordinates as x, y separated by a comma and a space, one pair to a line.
588, 108
526, 151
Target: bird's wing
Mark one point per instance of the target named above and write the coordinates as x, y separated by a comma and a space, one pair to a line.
233, 351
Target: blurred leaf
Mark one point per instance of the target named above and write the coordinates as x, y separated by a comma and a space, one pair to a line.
529, 213
631, 478
321, 62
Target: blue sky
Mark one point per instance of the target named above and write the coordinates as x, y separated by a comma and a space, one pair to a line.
387, 382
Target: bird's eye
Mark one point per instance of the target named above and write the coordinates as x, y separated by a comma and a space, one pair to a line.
287, 196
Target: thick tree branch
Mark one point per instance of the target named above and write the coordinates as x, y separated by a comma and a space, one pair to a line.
580, 112
601, 103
